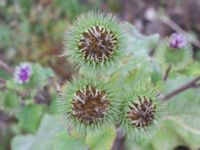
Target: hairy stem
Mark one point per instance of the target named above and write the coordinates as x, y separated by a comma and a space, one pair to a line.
191, 84
2, 81
197, 85
5, 67
119, 142
165, 19
2, 84
167, 73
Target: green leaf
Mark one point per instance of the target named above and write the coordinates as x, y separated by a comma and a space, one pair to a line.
165, 138
70, 7
51, 135
136, 65
156, 74
22, 142
49, 72
198, 55
50, 126
25, 6
192, 70
29, 117
137, 43
185, 103
65, 142
5, 36
189, 122
131, 68
4, 74
9, 102
184, 110
39, 76
102, 141
170, 136
12, 85
53, 108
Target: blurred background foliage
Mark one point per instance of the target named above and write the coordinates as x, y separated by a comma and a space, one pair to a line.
33, 30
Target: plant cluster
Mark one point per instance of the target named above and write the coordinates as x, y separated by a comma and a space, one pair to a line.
128, 86
115, 86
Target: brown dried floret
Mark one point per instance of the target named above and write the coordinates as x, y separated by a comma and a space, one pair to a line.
90, 105
98, 44
142, 112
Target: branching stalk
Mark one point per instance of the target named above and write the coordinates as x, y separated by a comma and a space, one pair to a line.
167, 73
191, 84
119, 142
5, 67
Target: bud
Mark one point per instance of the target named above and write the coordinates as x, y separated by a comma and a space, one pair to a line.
23, 73
141, 110
88, 105
177, 41
94, 40
175, 52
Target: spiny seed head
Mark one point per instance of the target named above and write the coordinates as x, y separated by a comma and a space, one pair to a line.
90, 105
142, 112
98, 44
176, 56
95, 40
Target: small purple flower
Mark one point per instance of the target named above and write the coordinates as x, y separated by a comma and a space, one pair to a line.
23, 73
177, 41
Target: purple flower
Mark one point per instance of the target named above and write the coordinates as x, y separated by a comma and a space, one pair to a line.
23, 73
177, 41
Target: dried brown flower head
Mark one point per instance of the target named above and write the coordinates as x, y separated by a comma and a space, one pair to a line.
142, 112
98, 44
90, 105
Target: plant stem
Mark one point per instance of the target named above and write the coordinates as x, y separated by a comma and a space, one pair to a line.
191, 84
2, 81
165, 19
2, 84
167, 73
197, 85
119, 143
5, 67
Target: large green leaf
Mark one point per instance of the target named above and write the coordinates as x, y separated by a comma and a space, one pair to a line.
189, 122
9, 102
29, 117
70, 7
66, 142
192, 70
168, 137
22, 142
172, 135
136, 65
5, 36
183, 112
52, 135
137, 43
102, 141
39, 76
